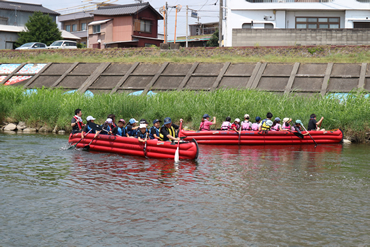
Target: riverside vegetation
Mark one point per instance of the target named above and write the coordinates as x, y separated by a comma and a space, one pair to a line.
50, 107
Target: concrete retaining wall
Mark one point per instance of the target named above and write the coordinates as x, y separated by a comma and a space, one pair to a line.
119, 77
305, 37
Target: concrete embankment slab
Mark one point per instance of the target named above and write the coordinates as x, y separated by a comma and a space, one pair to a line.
121, 77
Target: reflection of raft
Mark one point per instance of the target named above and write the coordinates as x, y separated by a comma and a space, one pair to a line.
259, 137
131, 146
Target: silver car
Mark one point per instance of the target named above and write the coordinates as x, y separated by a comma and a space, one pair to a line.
32, 45
63, 44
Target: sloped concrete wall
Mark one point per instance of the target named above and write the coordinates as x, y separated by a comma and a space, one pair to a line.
119, 77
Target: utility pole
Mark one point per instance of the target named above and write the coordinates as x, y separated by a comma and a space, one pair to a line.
220, 24
187, 25
166, 18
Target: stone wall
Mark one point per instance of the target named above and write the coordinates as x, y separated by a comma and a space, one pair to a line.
303, 37
120, 77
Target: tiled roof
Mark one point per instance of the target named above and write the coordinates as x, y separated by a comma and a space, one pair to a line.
127, 9
76, 16
26, 7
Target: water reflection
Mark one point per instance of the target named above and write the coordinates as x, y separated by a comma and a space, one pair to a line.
125, 170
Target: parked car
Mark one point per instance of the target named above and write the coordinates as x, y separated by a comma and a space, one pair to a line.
32, 45
63, 44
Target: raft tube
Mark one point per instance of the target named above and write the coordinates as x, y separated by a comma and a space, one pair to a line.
131, 146
261, 138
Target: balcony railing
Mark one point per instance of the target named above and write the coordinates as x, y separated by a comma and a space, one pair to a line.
295, 1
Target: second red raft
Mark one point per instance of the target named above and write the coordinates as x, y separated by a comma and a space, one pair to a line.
259, 137
131, 146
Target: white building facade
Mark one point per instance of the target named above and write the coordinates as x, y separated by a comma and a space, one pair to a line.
294, 14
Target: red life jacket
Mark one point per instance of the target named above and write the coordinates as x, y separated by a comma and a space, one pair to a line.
79, 124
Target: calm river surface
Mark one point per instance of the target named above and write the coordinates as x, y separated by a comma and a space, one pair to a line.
247, 196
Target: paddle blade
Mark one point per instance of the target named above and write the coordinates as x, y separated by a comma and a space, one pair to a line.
177, 158
86, 148
298, 135
72, 147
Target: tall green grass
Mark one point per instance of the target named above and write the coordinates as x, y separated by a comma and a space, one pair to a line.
52, 107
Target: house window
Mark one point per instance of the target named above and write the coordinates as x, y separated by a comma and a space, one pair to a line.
145, 26
3, 21
317, 22
247, 25
9, 45
83, 26
96, 29
68, 28
74, 27
269, 26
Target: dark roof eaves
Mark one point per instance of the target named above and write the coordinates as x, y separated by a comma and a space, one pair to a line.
123, 5
39, 7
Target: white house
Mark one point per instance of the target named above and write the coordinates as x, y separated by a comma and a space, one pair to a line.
294, 14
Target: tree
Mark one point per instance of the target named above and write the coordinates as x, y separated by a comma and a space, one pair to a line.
213, 42
39, 28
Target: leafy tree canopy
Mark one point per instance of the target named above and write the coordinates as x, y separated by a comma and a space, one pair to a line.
39, 28
213, 42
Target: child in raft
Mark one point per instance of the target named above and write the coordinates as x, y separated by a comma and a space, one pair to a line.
90, 127
131, 128
286, 126
142, 134
205, 125
113, 117
246, 124
236, 125
257, 124
107, 127
120, 130
276, 126
297, 127
154, 130
264, 125
313, 124
226, 125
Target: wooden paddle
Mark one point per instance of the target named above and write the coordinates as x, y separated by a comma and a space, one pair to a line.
86, 148
240, 132
309, 135
74, 146
177, 153
146, 139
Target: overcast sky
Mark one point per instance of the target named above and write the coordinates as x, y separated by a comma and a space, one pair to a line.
208, 11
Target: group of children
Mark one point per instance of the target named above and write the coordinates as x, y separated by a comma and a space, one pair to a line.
261, 125
134, 128
167, 132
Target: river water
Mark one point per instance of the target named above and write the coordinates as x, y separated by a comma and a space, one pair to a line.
231, 196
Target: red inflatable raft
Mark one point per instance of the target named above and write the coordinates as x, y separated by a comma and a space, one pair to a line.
259, 137
131, 146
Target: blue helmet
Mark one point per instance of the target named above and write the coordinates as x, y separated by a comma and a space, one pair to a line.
133, 120
167, 120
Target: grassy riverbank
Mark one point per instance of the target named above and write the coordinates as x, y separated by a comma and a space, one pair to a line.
318, 54
53, 108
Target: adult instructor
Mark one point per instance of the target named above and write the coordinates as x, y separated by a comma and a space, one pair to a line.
168, 131
76, 123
